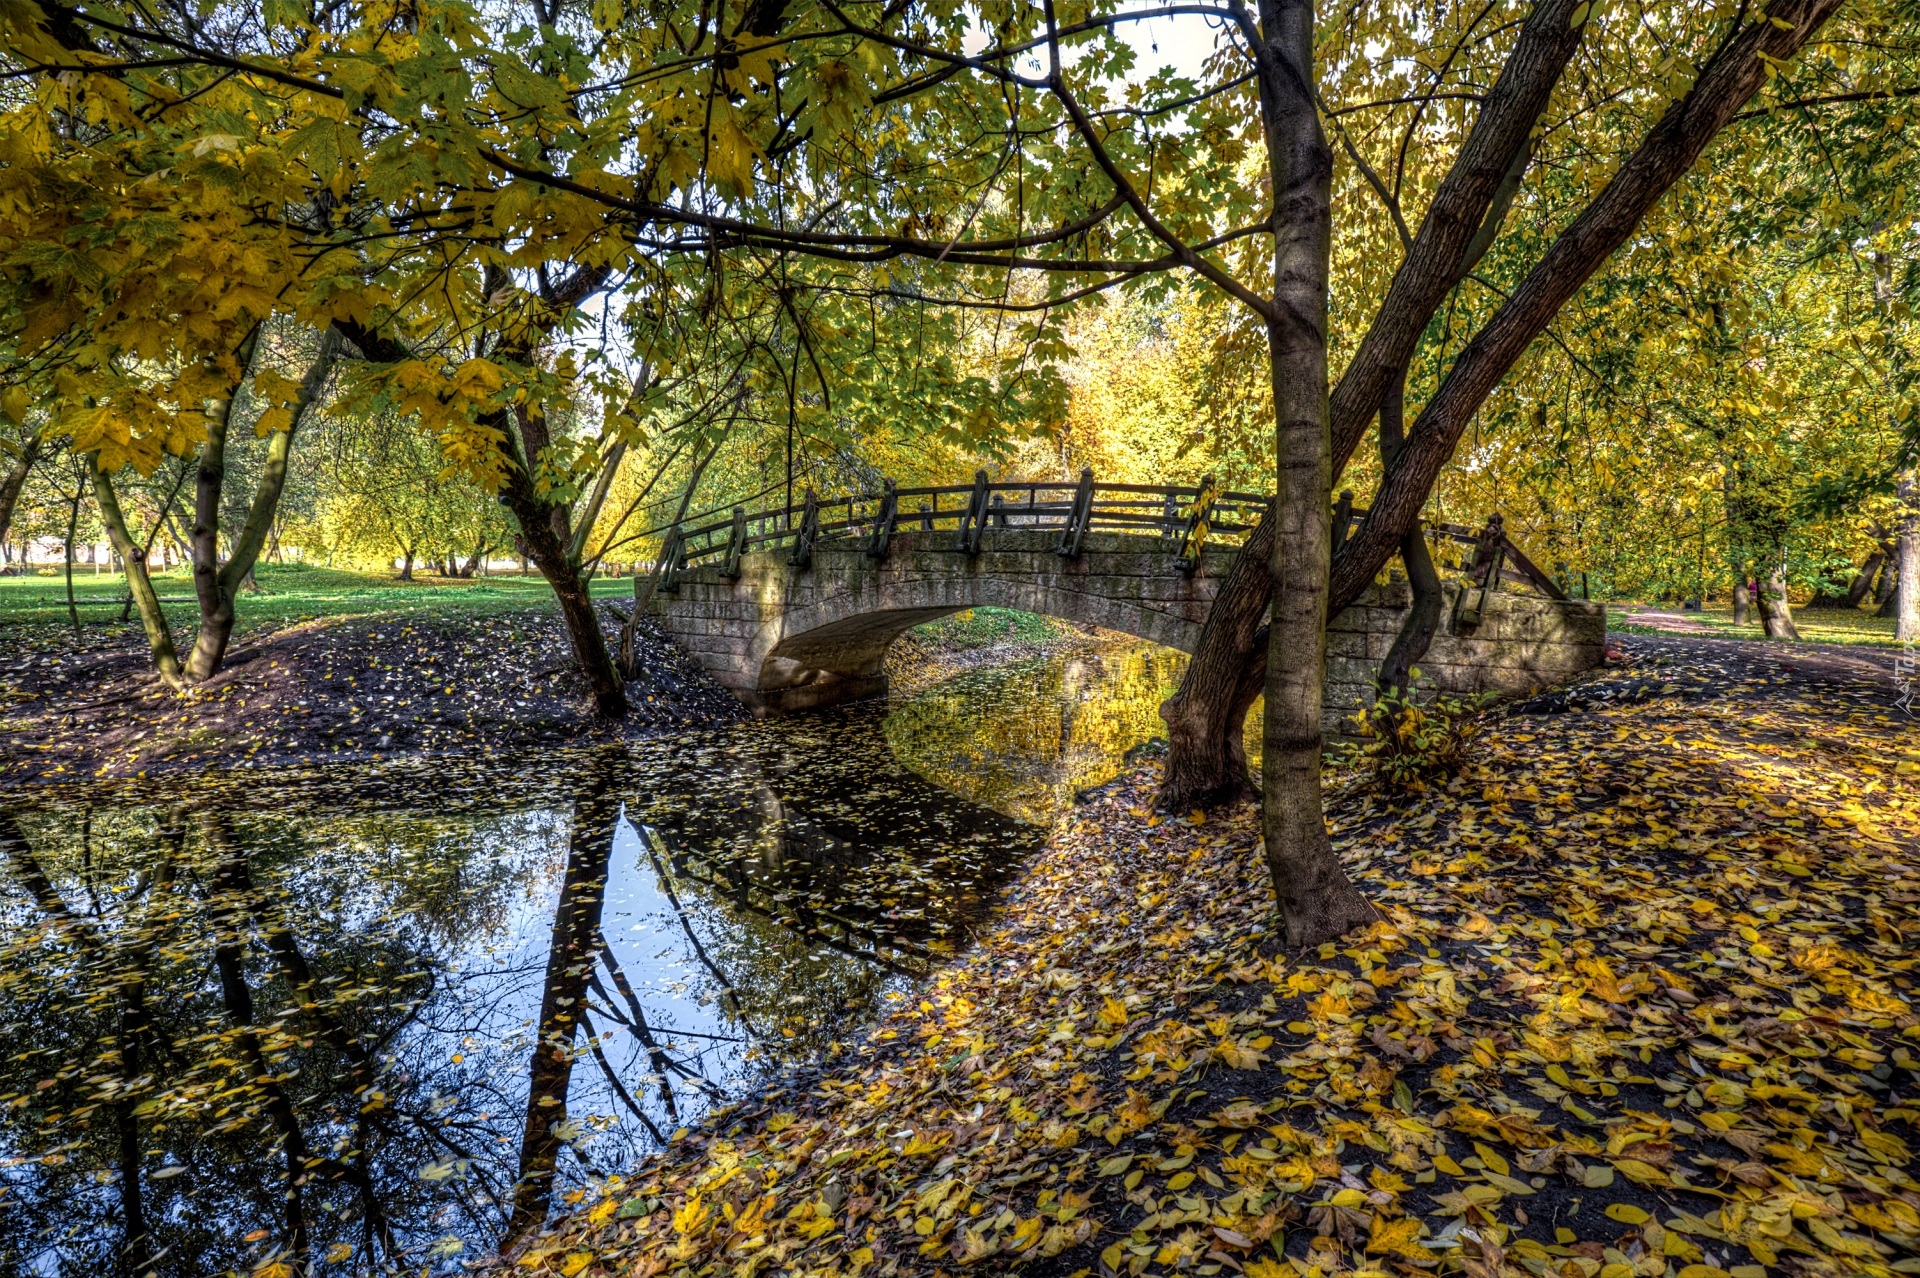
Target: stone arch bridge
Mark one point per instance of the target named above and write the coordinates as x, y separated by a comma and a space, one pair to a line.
794, 607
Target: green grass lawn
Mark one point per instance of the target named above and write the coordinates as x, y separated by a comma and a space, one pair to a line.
289, 593
1816, 625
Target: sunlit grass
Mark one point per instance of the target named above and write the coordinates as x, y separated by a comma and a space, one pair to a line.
984, 627
1816, 625
289, 593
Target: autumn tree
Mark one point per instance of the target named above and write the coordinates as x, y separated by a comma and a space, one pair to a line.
487, 175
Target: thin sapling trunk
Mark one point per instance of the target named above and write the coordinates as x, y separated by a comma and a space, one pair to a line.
153, 618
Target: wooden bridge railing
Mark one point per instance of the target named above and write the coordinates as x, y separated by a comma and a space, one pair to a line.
1185, 518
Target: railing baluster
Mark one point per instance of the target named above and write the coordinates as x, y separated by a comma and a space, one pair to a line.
736, 545
1079, 516
802, 554
1342, 518
1485, 574
882, 539
672, 559
1193, 543
973, 520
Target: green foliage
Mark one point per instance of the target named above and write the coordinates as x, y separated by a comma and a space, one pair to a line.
985, 627
289, 594
1410, 745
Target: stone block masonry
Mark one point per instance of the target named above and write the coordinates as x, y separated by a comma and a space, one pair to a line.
1523, 643
785, 638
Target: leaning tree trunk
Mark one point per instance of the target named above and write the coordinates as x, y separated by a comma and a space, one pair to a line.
1206, 759
15, 480
1863, 580
1726, 82
1857, 590
1776, 615
546, 546
1206, 718
1423, 617
153, 618
1317, 902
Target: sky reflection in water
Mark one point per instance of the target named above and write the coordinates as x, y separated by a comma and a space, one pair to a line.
384, 1016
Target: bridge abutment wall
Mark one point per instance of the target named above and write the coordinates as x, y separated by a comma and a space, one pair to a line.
1521, 643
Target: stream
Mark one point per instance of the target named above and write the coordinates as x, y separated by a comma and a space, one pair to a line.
376, 1017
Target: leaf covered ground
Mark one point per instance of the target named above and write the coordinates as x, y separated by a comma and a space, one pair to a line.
1640, 1004
325, 690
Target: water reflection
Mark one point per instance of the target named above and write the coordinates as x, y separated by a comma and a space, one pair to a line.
1023, 738
360, 1018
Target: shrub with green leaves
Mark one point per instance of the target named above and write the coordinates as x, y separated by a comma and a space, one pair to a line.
1410, 745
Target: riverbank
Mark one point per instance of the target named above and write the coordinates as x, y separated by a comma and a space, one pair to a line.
331, 690
416, 682
1640, 1003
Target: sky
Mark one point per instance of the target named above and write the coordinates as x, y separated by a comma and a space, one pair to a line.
1183, 43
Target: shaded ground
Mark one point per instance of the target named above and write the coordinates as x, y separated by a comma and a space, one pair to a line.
1640, 1004
325, 690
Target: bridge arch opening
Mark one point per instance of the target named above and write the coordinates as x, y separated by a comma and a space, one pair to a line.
830, 644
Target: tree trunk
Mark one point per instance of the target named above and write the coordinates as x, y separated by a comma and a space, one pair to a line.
1317, 902
1857, 590
16, 479
73, 521
1863, 580
215, 583
1776, 615
406, 565
1742, 596
203, 540
1206, 756
570, 958
153, 618
548, 550
1205, 719
1467, 210
1423, 617
1906, 594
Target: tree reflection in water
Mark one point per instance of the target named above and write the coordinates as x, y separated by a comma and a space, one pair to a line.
366, 1017
1023, 738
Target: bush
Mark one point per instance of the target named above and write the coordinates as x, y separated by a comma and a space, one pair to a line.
1409, 745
